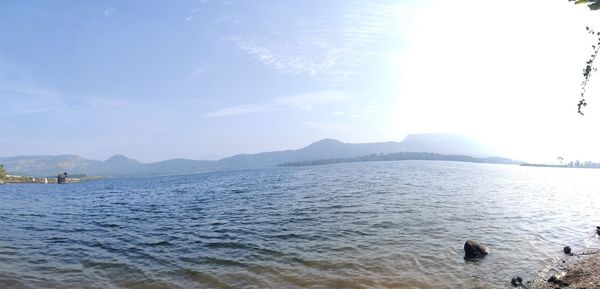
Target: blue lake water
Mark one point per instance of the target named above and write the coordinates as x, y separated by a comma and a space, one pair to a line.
363, 225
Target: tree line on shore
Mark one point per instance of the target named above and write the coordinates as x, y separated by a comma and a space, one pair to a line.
2, 174
403, 156
590, 63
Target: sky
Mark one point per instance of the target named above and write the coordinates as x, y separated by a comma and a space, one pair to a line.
206, 79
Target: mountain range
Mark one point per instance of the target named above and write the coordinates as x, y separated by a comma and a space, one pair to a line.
119, 165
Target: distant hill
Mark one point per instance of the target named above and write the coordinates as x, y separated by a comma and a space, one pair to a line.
47, 165
119, 165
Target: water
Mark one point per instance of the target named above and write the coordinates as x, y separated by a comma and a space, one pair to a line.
363, 225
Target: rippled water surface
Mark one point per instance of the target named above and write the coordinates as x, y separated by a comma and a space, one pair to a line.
364, 225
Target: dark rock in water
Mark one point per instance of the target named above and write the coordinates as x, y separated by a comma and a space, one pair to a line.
567, 250
516, 281
553, 279
475, 250
598, 230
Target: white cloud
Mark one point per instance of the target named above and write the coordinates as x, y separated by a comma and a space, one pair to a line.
306, 101
285, 57
109, 12
34, 110
30, 98
324, 44
240, 110
191, 17
357, 111
193, 14
101, 103
29, 90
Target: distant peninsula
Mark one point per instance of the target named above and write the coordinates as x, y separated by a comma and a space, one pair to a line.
405, 156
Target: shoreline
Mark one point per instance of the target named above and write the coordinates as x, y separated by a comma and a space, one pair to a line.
13, 179
581, 270
578, 270
558, 166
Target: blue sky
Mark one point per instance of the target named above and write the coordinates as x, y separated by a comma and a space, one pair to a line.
196, 79
206, 79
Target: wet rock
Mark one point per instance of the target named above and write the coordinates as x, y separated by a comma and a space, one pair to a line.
474, 250
563, 284
559, 282
598, 230
567, 250
516, 281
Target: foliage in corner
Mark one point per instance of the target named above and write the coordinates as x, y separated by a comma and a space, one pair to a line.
589, 65
2, 173
589, 68
592, 4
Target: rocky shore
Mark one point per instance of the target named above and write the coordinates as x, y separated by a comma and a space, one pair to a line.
580, 271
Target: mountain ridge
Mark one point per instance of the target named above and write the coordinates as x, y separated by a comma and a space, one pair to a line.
328, 148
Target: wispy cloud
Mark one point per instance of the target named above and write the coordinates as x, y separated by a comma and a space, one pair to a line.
100, 103
197, 72
35, 110
194, 12
306, 101
29, 90
357, 111
192, 15
108, 12
322, 45
328, 126
241, 109
281, 57
29, 98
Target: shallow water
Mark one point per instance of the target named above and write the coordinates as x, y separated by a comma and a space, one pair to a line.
363, 225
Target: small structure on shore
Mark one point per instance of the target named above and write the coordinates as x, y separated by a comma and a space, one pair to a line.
62, 178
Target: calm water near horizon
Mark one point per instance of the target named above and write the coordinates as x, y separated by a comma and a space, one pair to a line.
362, 225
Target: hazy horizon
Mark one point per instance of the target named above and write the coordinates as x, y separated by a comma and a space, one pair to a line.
215, 158
209, 79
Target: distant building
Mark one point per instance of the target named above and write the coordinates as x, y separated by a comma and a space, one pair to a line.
62, 178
